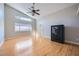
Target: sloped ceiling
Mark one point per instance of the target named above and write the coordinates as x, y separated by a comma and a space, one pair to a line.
45, 8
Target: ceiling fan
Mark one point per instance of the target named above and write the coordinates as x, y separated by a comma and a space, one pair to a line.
33, 11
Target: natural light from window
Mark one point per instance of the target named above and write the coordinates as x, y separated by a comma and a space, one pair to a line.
22, 27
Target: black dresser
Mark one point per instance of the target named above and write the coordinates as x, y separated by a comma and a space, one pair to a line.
57, 33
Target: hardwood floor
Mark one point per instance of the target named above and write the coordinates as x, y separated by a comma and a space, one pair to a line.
37, 47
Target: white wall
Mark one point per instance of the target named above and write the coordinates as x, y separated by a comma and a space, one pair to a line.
67, 17
10, 21
1, 24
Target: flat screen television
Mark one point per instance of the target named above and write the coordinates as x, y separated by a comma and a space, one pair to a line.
57, 33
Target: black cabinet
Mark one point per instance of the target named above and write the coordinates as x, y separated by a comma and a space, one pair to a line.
57, 33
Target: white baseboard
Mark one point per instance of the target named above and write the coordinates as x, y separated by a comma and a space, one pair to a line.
72, 42
65, 41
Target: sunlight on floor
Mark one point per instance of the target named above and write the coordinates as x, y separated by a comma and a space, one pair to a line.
24, 47
35, 34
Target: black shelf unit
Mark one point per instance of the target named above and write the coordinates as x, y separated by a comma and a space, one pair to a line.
57, 33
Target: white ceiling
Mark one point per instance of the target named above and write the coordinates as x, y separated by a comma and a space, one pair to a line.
45, 8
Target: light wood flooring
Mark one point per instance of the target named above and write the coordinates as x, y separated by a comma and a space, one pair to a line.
26, 46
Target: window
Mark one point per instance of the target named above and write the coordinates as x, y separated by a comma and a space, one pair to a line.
17, 27
22, 27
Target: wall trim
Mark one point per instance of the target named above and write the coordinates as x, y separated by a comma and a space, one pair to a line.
72, 42
64, 41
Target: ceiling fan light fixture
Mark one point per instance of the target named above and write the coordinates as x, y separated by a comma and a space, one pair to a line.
33, 10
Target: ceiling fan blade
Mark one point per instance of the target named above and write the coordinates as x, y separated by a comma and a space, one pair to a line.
29, 8
37, 13
37, 10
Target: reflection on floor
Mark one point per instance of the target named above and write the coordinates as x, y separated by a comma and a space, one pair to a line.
37, 46
17, 46
24, 45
